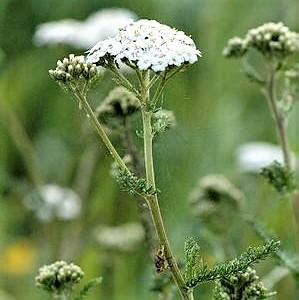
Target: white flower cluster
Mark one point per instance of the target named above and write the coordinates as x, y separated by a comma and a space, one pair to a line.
271, 39
123, 238
73, 67
83, 34
146, 44
54, 202
58, 277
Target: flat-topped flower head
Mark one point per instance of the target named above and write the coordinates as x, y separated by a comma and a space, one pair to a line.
146, 45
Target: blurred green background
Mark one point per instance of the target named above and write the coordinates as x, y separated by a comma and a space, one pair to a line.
217, 109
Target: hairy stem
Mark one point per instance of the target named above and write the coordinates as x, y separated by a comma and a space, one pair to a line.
138, 169
279, 119
100, 130
153, 201
281, 127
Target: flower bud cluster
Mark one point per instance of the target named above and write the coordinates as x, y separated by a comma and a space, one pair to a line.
73, 68
119, 103
163, 120
245, 284
270, 39
235, 48
280, 178
58, 277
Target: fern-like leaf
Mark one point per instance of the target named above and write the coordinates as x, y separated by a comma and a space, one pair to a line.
249, 257
288, 260
194, 263
88, 287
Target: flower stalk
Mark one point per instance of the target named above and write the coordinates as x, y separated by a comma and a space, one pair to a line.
100, 130
281, 127
153, 201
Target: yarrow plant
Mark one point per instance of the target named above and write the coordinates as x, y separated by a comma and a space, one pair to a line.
144, 45
155, 53
278, 79
273, 40
60, 279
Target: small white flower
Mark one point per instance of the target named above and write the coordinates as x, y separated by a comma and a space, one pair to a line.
254, 156
59, 32
147, 44
83, 34
53, 201
125, 237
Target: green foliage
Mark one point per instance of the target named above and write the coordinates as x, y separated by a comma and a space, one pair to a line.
161, 282
288, 260
250, 256
194, 263
251, 73
163, 120
2, 56
88, 287
280, 178
242, 285
132, 184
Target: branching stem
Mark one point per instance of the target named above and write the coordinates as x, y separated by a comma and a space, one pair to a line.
100, 130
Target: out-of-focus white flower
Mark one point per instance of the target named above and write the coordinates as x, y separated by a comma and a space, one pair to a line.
66, 31
83, 34
273, 39
254, 156
54, 202
58, 277
270, 39
125, 237
235, 47
146, 44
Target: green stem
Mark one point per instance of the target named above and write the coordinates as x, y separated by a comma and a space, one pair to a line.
23, 143
100, 130
281, 127
138, 169
153, 201
279, 119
